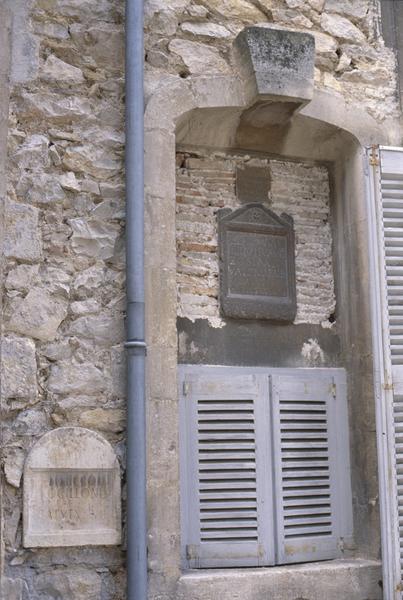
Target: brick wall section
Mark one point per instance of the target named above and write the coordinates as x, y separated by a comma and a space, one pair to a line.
206, 184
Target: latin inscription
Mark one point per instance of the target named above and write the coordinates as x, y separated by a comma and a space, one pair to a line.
71, 491
249, 270
74, 499
257, 264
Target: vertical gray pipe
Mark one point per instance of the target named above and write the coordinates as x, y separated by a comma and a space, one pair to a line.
135, 326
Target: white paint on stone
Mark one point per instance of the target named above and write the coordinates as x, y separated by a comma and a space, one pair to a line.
71, 491
312, 353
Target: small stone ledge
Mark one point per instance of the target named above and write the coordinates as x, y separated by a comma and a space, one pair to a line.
353, 579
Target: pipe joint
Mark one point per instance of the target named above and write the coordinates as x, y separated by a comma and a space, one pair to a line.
136, 346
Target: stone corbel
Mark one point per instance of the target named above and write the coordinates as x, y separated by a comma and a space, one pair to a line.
277, 69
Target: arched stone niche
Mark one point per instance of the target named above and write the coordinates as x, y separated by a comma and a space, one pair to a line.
215, 112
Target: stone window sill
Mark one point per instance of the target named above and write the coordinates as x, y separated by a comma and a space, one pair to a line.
345, 579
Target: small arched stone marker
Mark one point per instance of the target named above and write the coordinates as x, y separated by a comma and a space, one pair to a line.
71, 491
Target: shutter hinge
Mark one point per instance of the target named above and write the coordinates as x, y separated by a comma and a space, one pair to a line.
340, 544
388, 386
333, 390
186, 388
374, 157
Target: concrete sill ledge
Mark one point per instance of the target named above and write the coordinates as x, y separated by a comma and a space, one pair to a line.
352, 579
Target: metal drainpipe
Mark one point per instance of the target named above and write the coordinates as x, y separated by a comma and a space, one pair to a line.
135, 325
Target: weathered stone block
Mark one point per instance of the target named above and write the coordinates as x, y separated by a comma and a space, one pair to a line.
110, 420
38, 315
13, 589
75, 582
342, 28
102, 329
22, 277
199, 57
71, 491
56, 70
13, 465
18, 368
70, 378
22, 234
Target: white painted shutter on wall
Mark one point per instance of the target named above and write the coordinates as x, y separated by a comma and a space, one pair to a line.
311, 464
226, 482
386, 214
264, 465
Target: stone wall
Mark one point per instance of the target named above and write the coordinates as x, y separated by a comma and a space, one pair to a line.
188, 38
207, 183
64, 297
63, 257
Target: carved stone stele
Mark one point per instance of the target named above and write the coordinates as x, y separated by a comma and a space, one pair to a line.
257, 264
71, 491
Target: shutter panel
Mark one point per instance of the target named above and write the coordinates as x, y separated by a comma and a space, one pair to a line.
390, 232
226, 475
312, 476
392, 215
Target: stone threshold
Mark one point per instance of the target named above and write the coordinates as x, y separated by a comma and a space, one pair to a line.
344, 579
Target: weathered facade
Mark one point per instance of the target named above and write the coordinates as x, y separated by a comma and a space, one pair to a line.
63, 267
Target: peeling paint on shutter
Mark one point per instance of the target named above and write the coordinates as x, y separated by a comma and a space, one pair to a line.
310, 439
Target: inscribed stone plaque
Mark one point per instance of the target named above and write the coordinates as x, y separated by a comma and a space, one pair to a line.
257, 264
71, 491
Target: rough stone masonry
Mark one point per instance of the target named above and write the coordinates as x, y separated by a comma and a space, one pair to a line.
63, 254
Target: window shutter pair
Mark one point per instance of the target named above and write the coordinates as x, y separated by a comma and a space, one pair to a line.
264, 465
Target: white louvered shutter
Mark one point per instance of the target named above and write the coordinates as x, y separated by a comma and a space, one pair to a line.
386, 212
392, 214
226, 475
311, 463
